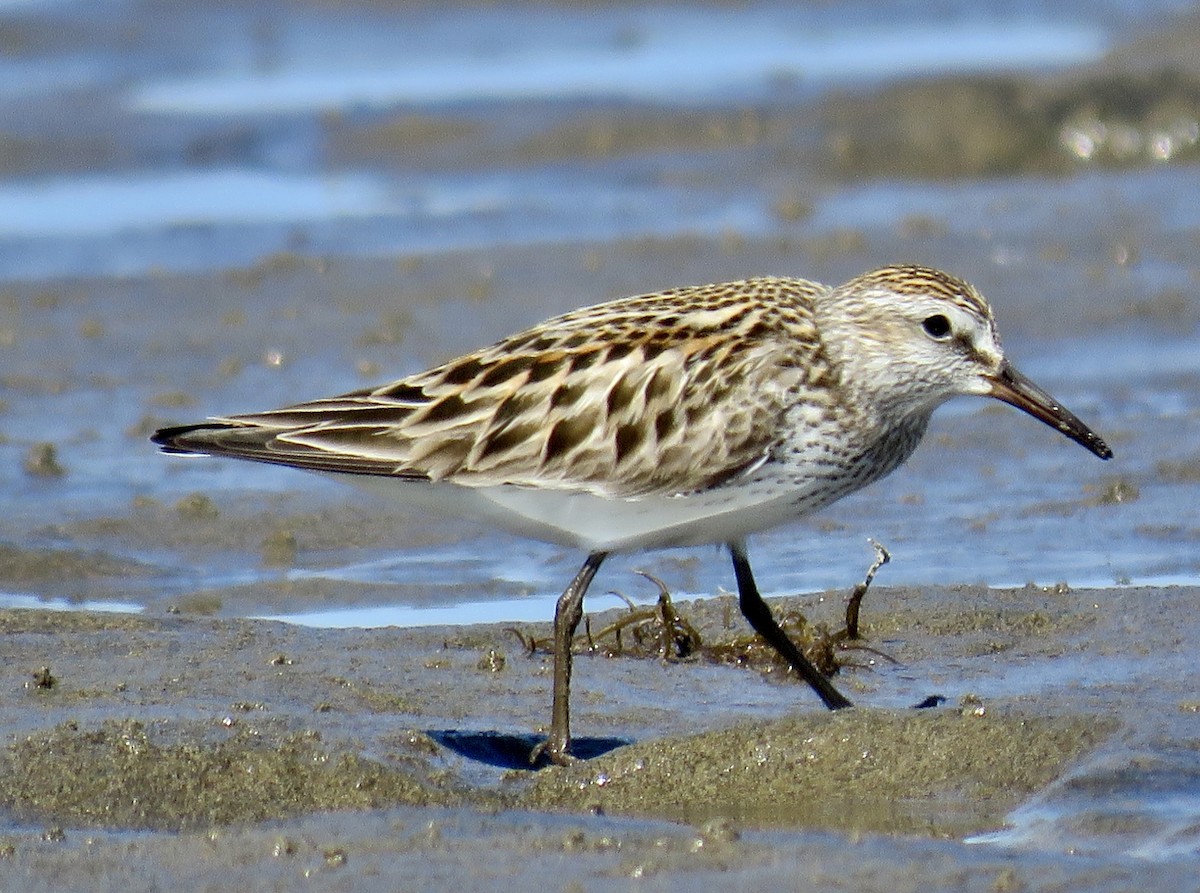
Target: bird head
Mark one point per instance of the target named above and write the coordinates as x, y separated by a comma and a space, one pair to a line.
909, 338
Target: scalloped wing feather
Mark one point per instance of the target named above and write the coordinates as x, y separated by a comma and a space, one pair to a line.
661, 394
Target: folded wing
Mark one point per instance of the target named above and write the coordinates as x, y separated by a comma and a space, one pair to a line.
613, 400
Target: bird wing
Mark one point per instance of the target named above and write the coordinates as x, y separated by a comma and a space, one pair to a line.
661, 394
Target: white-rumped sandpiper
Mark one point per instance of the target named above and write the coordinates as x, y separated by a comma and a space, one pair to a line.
695, 415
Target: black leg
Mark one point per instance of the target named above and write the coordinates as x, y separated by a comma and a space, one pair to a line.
567, 615
759, 615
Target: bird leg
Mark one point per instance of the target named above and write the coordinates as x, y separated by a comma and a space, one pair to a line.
756, 611
567, 615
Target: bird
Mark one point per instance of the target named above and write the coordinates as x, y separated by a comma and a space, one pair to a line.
695, 415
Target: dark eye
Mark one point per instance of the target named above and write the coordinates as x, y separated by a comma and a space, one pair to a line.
936, 326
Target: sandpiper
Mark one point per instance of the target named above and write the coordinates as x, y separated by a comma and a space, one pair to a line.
694, 415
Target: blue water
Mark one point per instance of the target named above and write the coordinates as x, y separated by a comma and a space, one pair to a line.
660, 54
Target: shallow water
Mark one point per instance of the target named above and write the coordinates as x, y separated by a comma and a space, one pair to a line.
659, 54
218, 210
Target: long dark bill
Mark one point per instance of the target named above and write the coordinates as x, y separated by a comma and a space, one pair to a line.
1015, 389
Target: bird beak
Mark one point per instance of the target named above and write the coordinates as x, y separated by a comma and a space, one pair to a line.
1015, 389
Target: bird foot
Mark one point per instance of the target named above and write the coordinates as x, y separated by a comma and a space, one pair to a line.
552, 750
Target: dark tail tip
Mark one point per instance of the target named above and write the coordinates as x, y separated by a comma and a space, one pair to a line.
179, 441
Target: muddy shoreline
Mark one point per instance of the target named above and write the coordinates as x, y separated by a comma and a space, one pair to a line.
99, 691
356, 746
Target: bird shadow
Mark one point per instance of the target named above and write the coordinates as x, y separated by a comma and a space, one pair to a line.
505, 751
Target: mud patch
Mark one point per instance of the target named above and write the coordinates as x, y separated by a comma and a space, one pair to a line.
971, 127
118, 776
32, 566
941, 773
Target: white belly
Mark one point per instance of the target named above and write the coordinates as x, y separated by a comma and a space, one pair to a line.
593, 523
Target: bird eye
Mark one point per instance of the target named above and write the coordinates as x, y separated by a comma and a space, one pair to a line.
936, 326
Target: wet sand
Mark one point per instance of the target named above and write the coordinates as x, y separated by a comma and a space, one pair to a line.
368, 751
